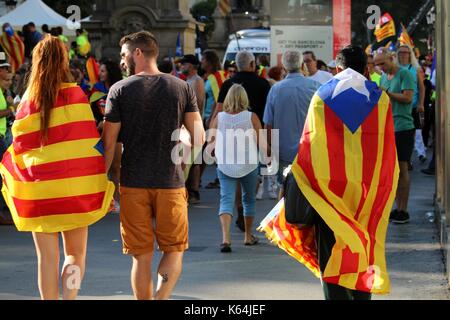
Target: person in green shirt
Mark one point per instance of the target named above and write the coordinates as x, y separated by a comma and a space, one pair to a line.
399, 85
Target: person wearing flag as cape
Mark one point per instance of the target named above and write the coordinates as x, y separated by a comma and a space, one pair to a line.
13, 46
347, 170
54, 173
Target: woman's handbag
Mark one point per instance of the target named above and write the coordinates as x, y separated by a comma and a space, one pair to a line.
298, 211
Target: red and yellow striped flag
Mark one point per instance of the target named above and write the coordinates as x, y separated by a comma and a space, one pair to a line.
404, 37
216, 80
347, 169
224, 7
385, 28
61, 185
15, 49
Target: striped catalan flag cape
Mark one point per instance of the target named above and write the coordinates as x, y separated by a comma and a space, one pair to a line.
216, 80
15, 49
347, 168
61, 185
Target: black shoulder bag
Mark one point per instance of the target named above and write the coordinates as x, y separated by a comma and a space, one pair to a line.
298, 211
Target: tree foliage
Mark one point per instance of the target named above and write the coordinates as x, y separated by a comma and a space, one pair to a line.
203, 12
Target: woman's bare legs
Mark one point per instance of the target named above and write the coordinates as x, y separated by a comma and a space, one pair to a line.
47, 250
75, 244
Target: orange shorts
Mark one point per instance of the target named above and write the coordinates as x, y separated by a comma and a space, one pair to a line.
146, 214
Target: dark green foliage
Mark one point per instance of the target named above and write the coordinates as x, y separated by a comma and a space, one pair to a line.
205, 9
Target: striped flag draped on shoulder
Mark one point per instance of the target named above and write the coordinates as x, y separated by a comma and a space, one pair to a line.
216, 80
59, 185
14, 48
347, 169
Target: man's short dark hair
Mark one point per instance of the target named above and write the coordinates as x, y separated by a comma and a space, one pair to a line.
213, 58
311, 53
352, 57
143, 40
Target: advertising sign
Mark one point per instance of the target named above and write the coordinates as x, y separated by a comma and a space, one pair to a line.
318, 39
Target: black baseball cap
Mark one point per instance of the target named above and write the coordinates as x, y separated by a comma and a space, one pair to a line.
190, 58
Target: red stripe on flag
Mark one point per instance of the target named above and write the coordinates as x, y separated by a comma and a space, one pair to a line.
370, 154
66, 96
386, 181
365, 281
218, 77
56, 170
349, 262
67, 132
12, 54
305, 162
59, 206
335, 143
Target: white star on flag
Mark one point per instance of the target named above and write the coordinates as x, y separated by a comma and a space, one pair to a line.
351, 79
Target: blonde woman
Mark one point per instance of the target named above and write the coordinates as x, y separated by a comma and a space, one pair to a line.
236, 149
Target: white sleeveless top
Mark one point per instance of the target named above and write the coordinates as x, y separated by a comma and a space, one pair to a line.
236, 144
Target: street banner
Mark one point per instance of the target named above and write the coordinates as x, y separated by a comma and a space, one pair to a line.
342, 25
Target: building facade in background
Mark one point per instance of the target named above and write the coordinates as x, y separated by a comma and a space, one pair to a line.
166, 19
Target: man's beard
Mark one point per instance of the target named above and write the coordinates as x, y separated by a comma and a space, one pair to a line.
131, 67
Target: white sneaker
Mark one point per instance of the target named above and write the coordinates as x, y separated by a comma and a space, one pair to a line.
260, 192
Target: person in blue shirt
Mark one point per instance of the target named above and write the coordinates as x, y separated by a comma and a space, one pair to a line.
286, 109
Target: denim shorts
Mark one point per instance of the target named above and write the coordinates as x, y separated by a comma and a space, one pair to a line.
228, 188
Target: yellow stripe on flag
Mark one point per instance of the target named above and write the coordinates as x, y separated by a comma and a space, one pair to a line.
58, 117
67, 150
60, 188
59, 223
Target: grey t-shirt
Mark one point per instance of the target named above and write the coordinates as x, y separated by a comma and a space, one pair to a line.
150, 109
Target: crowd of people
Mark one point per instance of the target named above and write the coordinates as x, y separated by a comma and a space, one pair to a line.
136, 105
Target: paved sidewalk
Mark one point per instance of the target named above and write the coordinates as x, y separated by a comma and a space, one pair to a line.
260, 272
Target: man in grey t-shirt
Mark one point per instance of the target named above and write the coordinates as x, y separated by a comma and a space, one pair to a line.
143, 112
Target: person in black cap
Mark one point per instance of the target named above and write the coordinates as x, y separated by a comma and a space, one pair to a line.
189, 67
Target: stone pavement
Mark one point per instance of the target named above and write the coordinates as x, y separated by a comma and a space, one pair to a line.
255, 273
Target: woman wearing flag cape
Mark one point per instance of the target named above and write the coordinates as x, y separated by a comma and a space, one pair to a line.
347, 170
54, 178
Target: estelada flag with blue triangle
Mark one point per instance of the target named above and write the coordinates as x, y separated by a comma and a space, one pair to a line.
59, 184
347, 169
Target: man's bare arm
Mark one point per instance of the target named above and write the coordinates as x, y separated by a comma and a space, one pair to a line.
110, 134
193, 123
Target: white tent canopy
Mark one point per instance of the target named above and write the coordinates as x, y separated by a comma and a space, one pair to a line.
38, 12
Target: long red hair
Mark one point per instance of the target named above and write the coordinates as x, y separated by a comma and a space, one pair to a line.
50, 68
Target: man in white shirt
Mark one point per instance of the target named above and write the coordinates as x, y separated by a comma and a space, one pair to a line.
309, 58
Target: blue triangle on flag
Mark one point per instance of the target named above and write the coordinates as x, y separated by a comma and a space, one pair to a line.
100, 148
350, 106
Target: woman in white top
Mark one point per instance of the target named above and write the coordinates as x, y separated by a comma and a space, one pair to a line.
236, 143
